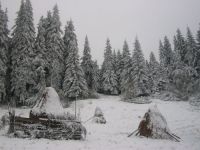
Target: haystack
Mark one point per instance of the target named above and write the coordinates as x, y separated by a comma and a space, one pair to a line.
154, 125
49, 106
99, 116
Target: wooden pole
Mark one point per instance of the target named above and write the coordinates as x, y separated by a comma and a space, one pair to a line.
75, 107
132, 132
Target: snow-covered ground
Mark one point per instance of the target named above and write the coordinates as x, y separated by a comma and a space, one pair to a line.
122, 118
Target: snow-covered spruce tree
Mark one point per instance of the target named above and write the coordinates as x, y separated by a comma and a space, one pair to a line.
109, 78
74, 82
88, 68
135, 81
168, 60
55, 47
140, 77
167, 53
180, 45
22, 54
95, 79
40, 62
161, 53
178, 59
163, 78
125, 64
119, 68
150, 77
191, 50
154, 70
4, 41
114, 61
125, 54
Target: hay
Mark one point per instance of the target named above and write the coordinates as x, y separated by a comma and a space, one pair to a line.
154, 125
99, 116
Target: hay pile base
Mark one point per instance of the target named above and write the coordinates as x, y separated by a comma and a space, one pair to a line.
154, 125
98, 116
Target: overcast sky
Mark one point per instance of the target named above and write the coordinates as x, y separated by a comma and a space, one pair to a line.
150, 20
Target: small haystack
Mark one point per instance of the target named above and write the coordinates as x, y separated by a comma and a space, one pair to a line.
154, 125
99, 116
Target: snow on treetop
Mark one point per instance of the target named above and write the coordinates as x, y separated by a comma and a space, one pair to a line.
49, 103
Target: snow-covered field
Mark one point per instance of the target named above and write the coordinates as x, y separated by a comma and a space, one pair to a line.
122, 118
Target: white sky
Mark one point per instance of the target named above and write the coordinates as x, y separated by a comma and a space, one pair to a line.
150, 20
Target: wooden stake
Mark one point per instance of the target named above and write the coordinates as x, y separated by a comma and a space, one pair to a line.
173, 137
132, 132
75, 107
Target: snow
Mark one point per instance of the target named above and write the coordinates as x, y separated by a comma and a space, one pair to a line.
122, 118
51, 105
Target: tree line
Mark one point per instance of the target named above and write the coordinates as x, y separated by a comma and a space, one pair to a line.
29, 62
177, 72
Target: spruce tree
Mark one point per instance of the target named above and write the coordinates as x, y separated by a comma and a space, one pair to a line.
74, 82
180, 45
154, 70
109, 78
55, 47
4, 47
87, 65
167, 53
161, 53
22, 54
40, 61
135, 80
191, 50
126, 65
95, 78
119, 68
114, 61
153, 64
125, 54
140, 76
